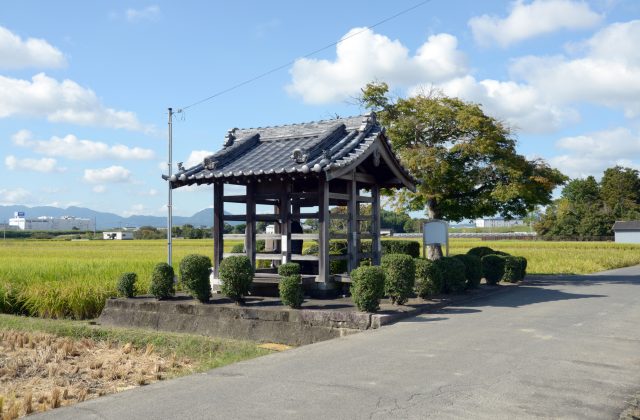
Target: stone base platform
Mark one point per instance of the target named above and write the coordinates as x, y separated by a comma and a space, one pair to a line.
265, 319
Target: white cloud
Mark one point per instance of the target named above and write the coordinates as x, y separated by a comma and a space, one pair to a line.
520, 105
528, 20
16, 53
369, 56
45, 165
608, 74
16, 196
195, 158
65, 101
592, 153
148, 13
71, 147
99, 189
112, 174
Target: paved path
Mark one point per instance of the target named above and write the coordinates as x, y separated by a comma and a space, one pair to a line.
567, 347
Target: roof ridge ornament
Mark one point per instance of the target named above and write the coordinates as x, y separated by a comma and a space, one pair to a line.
298, 155
230, 137
368, 120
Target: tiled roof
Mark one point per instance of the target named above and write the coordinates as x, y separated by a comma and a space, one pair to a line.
308, 148
620, 226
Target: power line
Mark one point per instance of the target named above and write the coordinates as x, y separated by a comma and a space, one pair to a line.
314, 52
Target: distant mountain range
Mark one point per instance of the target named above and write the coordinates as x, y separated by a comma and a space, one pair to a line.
108, 220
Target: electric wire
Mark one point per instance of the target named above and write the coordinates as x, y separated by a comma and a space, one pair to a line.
312, 53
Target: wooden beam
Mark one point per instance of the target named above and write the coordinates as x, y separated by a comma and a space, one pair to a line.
376, 245
285, 222
235, 217
272, 257
338, 196
300, 257
218, 226
305, 236
323, 224
365, 199
360, 177
313, 215
353, 210
250, 230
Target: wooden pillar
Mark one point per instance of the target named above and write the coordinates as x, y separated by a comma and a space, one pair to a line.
250, 230
324, 274
376, 245
218, 226
285, 222
352, 230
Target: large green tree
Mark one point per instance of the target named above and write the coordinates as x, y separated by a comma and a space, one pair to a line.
465, 161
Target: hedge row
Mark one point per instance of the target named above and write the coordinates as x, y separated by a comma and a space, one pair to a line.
498, 265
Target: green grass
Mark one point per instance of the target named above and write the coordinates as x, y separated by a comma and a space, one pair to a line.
204, 352
57, 279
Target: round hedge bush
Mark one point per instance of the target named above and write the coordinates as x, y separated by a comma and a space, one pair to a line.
523, 267
400, 274
392, 246
453, 271
429, 279
472, 269
127, 285
367, 287
290, 285
493, 268
481, 251
194, 274
514, 269
236, 274
162, 286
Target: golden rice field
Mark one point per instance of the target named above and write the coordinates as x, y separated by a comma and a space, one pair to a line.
73, 279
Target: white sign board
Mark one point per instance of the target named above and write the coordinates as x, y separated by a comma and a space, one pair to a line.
435, 232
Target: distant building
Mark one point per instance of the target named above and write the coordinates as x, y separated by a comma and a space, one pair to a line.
627, 232
117, 235
64, 223
494, 222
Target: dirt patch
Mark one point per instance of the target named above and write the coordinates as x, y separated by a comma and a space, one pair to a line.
41, 371
632, 412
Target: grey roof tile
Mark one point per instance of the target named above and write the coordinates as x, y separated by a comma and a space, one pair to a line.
268, 150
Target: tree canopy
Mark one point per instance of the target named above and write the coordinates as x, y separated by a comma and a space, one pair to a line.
465, 162
588, 209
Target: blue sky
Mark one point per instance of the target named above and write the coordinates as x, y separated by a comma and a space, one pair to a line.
85, 86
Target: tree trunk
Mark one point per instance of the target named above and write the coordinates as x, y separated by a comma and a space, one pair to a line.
434, 252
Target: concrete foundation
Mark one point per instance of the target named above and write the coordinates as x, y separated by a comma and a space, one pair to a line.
281, 325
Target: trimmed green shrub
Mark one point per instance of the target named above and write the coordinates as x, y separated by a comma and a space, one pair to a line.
236, 275
127, 285
429, 279
472, 269
289, 269
493, 268
367, 287
453, 272
290, 286
480, 251
194, 274
514, 269
162, 286
237, 249
400, 274
523, 267
336, 247
411, 248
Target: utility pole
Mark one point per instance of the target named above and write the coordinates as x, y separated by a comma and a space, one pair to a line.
170, 201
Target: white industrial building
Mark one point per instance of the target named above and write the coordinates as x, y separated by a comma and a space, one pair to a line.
627, 232
495, 222
64, 223
117, 235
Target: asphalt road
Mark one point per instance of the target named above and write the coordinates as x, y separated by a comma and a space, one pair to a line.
565, 347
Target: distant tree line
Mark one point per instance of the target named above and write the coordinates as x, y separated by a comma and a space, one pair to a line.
588, 208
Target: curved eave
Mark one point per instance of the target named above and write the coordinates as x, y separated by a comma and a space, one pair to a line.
402, 178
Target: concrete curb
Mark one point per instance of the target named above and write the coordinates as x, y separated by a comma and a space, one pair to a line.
280, 325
